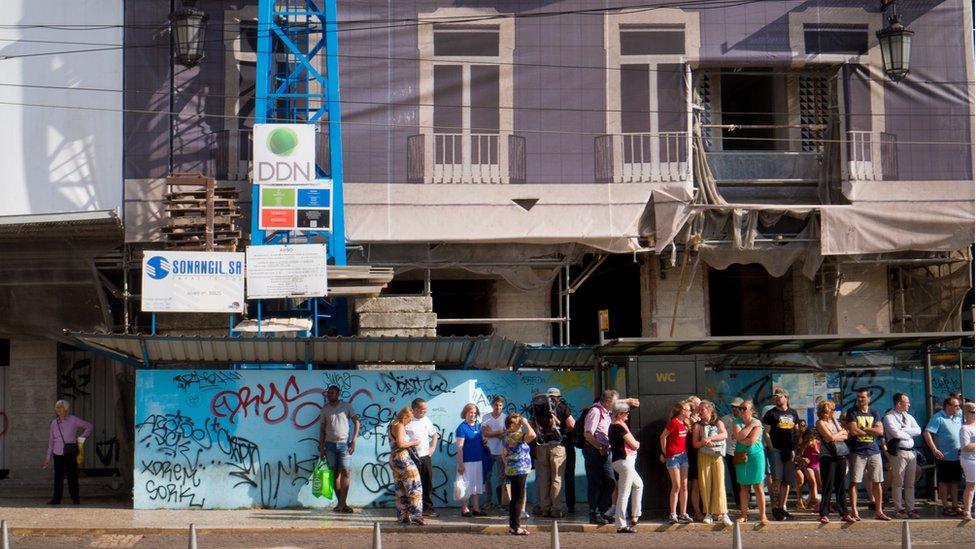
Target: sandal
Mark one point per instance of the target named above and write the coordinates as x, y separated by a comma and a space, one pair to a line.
948, 512
418, 522
626, 530
519, 532
882, 516
479, 513
824, 520
848, 519
466, 514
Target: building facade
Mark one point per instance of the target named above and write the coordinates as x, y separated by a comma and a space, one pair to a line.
696, 169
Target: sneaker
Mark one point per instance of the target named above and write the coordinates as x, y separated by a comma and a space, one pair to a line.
598, 520
611, 512
786, 514
672, 519
726, 520
901, 514
685, 519
526, 516
708, 519
778, 514
913, 514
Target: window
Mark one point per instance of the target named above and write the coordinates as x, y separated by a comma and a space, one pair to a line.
466, 99
652, 39
466, 40
835, 38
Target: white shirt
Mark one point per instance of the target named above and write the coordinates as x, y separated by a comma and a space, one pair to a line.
421, 430
494, 424
901, 425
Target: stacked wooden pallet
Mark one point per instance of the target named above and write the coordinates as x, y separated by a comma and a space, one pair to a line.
357, 280
200, 215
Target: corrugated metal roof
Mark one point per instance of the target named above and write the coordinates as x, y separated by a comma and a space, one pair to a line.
145, 350
559, 356
778, 344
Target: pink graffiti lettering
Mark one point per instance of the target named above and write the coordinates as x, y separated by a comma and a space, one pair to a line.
271, 403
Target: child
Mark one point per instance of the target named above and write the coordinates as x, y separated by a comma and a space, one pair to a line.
808, 468
674, 455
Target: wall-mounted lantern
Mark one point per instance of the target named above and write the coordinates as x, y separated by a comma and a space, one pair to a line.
896, 48
188, 25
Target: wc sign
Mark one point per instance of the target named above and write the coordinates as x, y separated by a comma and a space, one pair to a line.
284, 154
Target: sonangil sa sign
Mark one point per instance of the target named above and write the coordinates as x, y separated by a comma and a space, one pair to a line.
192, 282
284, 154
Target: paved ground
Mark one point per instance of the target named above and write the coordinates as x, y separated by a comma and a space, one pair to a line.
860, 538
111, 523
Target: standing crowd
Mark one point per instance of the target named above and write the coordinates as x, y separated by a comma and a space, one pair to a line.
770, 450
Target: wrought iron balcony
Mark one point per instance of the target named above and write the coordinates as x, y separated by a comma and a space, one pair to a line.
642, 157
473, 158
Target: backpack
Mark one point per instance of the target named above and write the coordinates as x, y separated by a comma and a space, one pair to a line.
544, 416
577, 437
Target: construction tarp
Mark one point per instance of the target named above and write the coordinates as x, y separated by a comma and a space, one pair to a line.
879, 227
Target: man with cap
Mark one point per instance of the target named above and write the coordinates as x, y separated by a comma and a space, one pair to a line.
728, 419
336, 443
780, 423
552, 422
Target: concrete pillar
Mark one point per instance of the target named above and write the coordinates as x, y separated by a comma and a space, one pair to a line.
692, 318
396, 316
31, 389
511, 302
863, 303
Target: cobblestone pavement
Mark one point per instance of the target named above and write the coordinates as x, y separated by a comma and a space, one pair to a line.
836, 539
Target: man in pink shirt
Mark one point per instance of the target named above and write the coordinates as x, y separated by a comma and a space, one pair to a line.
62, 445
596, 455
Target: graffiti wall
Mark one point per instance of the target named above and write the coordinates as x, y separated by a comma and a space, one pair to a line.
231, 439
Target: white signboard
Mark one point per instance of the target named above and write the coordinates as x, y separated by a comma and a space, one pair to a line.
193, 282
284, 154
298, 270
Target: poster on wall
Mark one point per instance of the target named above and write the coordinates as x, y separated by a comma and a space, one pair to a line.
295, 270
296, 208
284, 154
192, 282
807, 389
223, 439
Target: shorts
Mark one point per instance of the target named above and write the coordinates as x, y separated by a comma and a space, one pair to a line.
337, 455
870, 464
948, 471
969, 469
677, 461
783, 470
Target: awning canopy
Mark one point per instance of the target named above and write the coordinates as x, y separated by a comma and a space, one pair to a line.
636, 346
489, 352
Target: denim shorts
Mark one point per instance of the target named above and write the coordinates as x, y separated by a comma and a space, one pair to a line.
677, 461
337, 455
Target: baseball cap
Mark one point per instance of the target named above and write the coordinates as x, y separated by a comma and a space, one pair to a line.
779, 391
553, 392
736, 402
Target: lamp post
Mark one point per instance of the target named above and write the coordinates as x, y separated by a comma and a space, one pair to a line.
188, 25
896, 48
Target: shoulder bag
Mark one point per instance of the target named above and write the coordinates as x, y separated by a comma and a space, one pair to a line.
70, 448
837, 448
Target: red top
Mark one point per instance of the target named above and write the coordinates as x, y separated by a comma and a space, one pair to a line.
677, 435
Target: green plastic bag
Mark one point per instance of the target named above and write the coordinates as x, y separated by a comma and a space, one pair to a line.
322, 480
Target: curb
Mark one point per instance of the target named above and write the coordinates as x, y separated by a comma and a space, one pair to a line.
393, 527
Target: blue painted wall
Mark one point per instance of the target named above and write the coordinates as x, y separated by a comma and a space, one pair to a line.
231, 439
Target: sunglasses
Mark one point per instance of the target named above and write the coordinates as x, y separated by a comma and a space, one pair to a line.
743, 408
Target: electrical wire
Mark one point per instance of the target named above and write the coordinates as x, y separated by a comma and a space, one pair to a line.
347, 122
402, 104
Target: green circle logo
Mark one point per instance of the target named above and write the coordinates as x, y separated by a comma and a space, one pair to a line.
282, 141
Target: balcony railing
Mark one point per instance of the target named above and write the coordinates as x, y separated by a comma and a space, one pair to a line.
466, 158
871, 156
642, 157
230, 154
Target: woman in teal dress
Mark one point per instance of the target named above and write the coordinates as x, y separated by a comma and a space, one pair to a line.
747, 432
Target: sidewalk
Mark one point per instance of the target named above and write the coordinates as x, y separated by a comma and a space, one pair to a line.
113, 517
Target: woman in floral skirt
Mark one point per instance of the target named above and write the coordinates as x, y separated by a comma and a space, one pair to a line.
406, 476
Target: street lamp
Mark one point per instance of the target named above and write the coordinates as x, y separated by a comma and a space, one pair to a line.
188, 25
896, 48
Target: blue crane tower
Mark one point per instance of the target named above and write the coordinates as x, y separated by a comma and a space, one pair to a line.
293, 85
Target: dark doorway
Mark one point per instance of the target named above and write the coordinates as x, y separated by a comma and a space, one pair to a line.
614, 286
746, 300
747, 99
